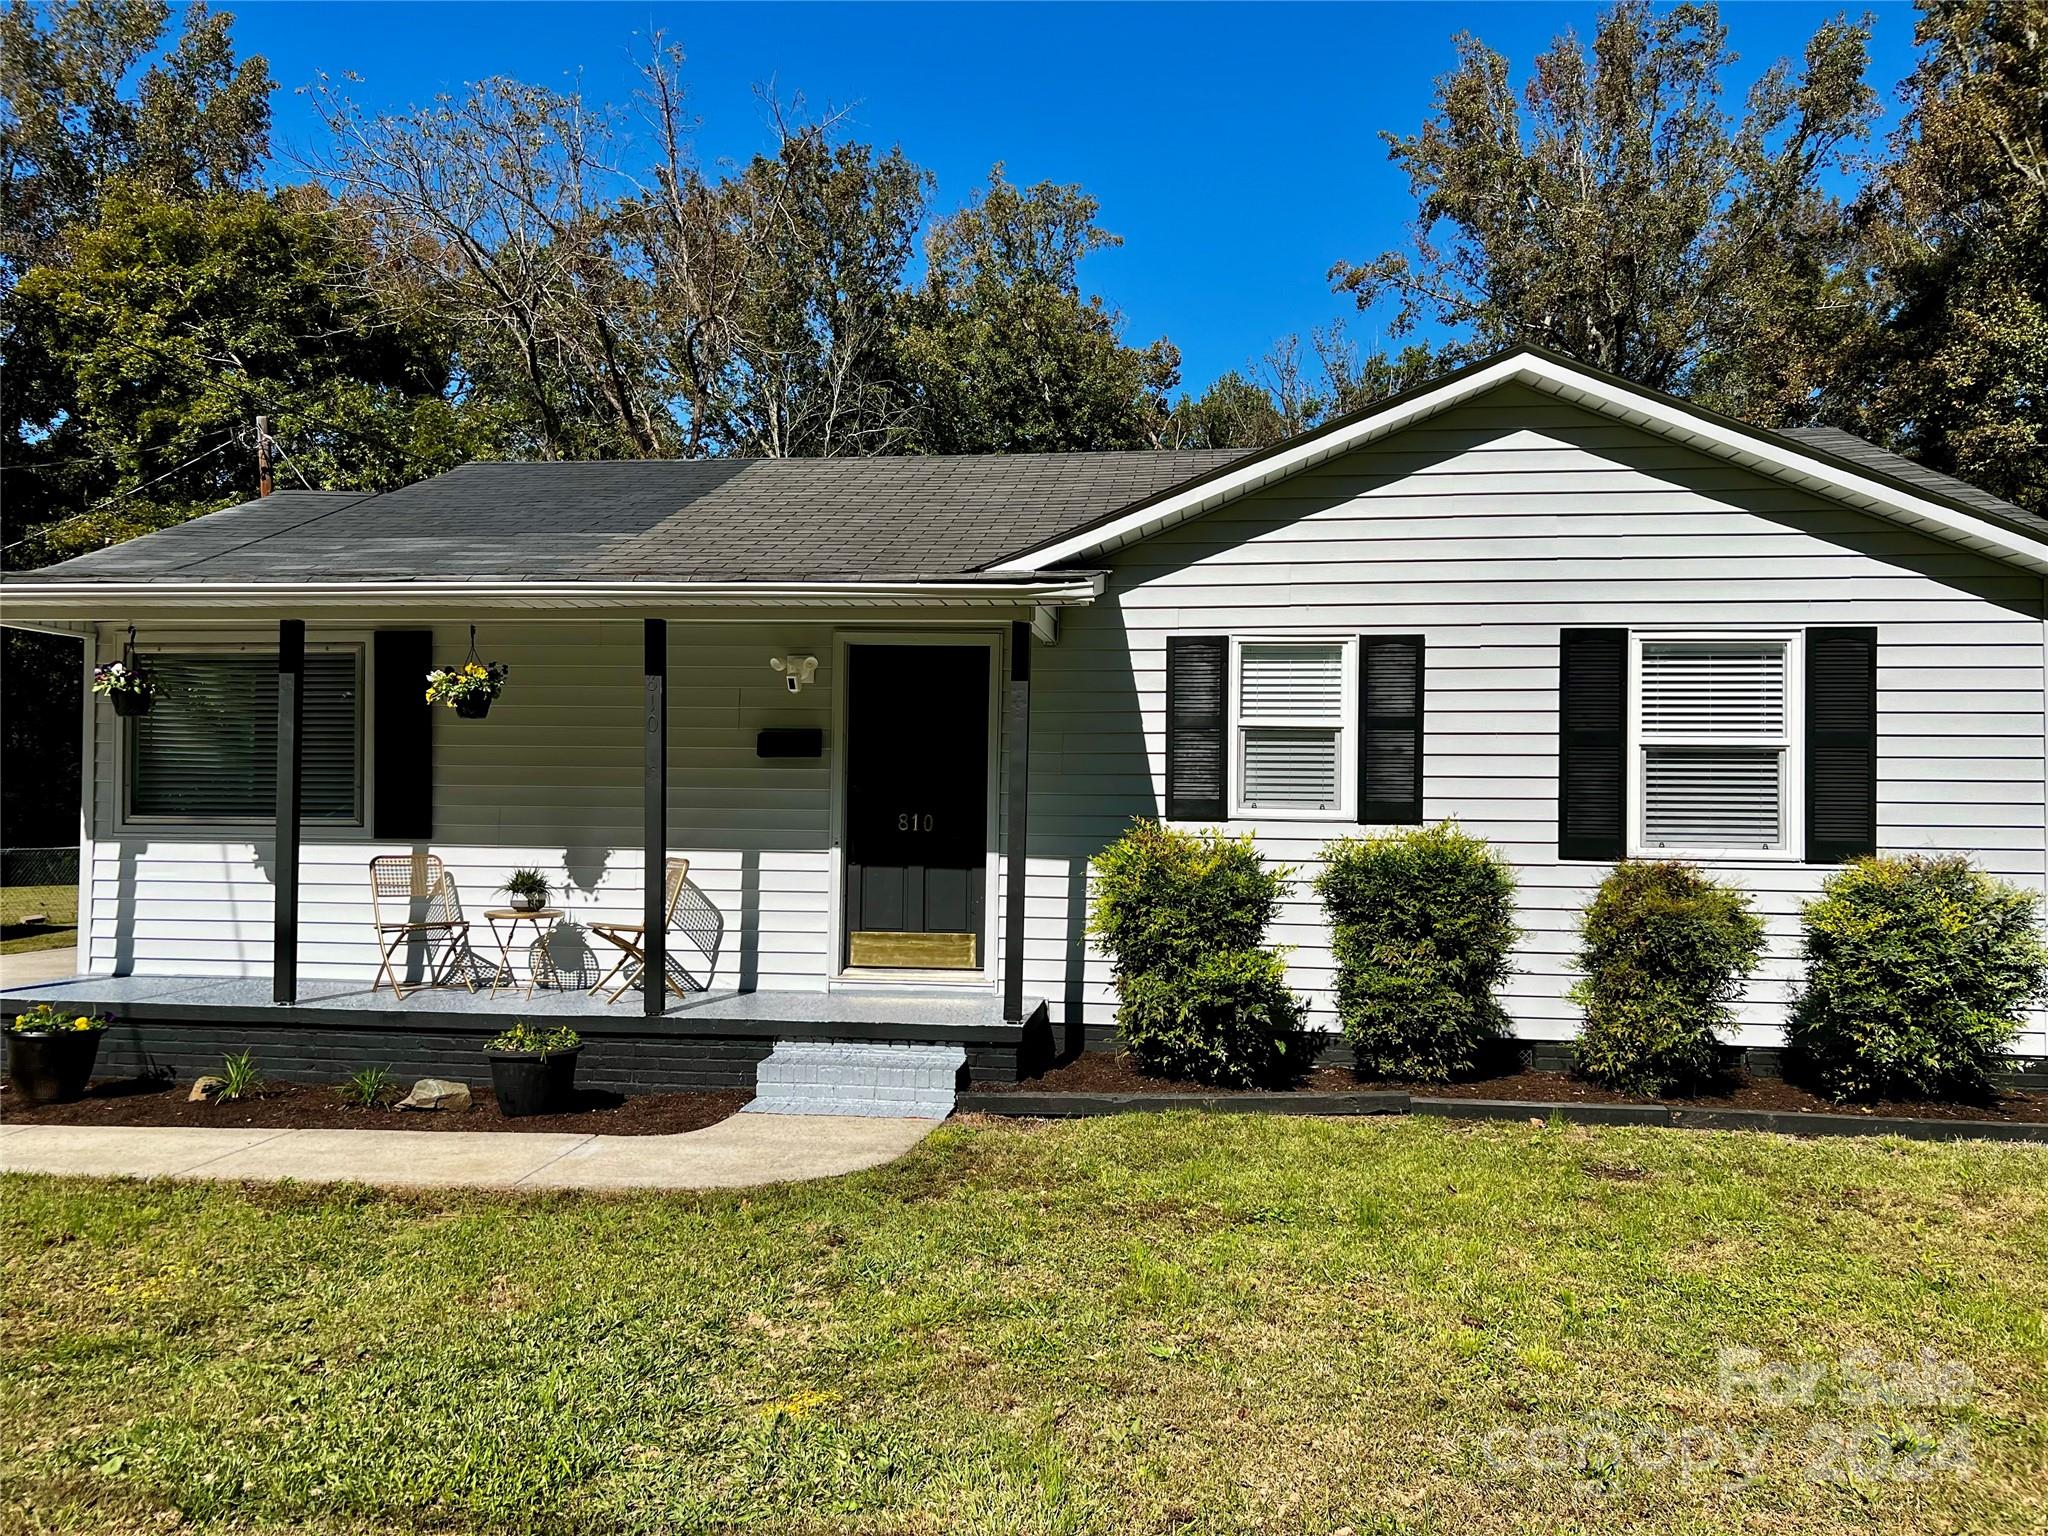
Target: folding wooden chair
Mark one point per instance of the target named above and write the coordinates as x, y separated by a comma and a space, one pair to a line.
416, 885
630, 939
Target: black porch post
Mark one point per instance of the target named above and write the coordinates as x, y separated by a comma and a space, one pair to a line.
291, 715
1018, 807
654, 982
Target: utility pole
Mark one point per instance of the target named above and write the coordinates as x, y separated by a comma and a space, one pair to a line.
262, 455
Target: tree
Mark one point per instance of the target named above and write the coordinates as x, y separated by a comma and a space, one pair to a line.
1623, 220
174, 323
194, 121
827, 230
1007, 355
1956, 232
494, 214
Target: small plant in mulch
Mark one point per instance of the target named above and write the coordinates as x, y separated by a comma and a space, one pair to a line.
240, 1078
1664, 949
368, 1088
1920, 971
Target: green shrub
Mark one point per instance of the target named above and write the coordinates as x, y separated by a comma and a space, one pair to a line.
1182, 917
1918, 970
1422, 923
1665, 950
1164, 898
1228, 1019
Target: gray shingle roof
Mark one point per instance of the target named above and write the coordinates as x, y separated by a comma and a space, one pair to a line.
1867, 455
704, 519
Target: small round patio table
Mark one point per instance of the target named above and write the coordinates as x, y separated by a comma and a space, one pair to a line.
543, 919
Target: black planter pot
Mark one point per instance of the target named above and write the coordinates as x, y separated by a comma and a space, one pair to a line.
132, 704
528, 1083
52, 1068
475, 707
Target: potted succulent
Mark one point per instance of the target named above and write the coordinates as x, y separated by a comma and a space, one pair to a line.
50, 1056
528, 889
533, 1072
124, 685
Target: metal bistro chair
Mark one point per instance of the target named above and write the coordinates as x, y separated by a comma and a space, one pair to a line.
630, 939
416, 885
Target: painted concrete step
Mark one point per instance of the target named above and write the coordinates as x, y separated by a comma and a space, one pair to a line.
859, 1077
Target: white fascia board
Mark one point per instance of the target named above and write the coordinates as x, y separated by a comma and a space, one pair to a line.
46, 601
1667, 419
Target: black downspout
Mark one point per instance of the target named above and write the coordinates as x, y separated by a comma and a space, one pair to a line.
1017, 803
291, 718
654, 840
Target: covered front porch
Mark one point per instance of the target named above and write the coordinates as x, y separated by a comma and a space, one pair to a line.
181, 1026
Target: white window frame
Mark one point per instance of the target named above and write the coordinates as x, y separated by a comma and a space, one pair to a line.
1346, 809
1791, 823
356, 826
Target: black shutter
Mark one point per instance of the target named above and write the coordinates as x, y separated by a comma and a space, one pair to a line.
1390, 686
1197, 721
1592, 710
403, 767
1841, 744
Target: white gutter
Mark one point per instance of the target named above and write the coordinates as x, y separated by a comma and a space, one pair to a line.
30, 602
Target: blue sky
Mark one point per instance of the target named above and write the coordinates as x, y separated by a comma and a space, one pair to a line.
1233, 147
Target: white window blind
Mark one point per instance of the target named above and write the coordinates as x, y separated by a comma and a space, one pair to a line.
1714, 736
1291, 723
207, 750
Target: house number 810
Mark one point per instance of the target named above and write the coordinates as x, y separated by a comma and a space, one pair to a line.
914, 821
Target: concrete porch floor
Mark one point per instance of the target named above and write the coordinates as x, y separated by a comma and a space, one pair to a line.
781, 1011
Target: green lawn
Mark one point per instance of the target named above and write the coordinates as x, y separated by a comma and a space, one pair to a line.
57, 905
1142, 1323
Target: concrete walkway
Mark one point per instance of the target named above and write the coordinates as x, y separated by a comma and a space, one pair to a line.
33, 967
734, 1154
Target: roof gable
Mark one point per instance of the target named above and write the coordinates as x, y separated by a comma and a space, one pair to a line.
1868, 479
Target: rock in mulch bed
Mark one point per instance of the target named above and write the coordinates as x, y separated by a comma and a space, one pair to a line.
1097, 1072
292, 1106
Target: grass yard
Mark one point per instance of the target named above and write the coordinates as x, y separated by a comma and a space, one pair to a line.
1129, 1324
57, 905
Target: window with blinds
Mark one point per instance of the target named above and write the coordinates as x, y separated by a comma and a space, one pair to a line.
207, 749
1290, 725
1713, 742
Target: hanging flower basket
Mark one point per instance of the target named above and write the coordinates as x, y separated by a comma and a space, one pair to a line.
125, 685
469, 688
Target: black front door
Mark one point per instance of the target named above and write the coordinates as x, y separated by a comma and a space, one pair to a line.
916, 805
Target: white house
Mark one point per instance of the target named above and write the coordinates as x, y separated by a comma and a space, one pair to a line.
1584, 619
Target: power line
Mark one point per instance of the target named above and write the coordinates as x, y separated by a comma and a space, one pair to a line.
101, 506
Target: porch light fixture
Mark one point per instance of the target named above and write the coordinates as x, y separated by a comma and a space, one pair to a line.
798, 672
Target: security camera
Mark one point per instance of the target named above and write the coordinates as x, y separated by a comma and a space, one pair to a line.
798, 672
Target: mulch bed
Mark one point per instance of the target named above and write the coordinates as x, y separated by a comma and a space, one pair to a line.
291, 1106
1109, 1072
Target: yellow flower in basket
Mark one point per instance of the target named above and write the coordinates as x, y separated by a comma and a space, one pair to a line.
81, 1022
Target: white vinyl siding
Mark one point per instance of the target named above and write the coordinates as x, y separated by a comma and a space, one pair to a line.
1489, 530
552, 780
1292, 706
207, 750
1713, 733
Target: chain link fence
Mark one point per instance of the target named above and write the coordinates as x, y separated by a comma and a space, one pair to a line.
38, 887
